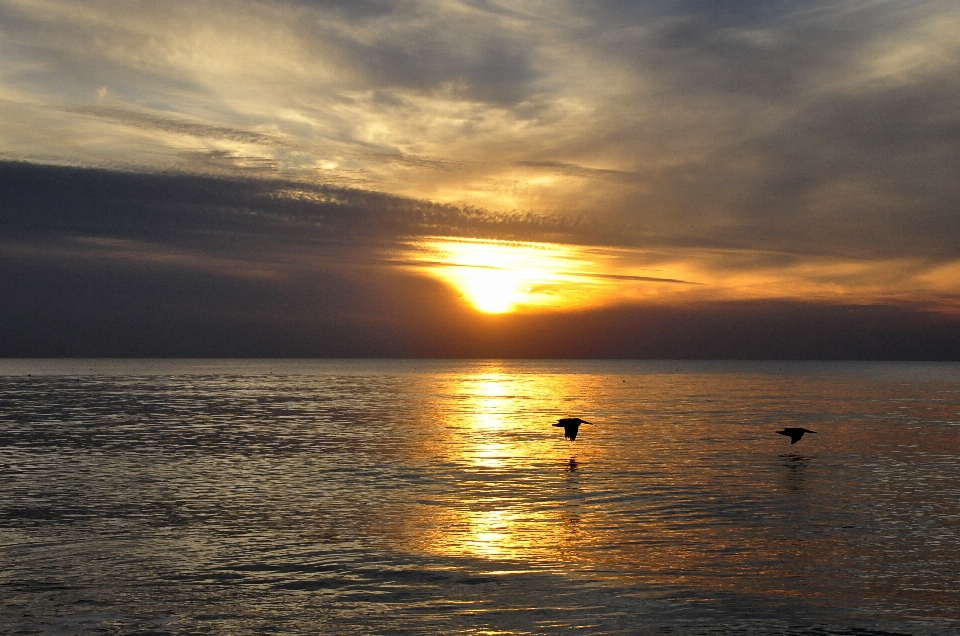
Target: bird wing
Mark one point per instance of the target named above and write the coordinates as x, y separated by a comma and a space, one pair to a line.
793, 433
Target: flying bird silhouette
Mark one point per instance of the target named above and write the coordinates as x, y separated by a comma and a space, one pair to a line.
570, 426
795, 433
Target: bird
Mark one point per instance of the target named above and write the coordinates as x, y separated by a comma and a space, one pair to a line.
795, 433
570, 426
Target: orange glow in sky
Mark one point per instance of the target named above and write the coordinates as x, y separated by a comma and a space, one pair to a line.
498, 277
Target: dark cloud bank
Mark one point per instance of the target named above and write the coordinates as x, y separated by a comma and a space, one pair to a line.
101, 263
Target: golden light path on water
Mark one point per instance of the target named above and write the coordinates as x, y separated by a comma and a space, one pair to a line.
493, 531
494, 426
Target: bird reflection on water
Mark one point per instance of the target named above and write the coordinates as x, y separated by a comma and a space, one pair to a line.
572, 499
796, 470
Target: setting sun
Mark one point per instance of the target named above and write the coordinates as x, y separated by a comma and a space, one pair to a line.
493, 291
502, 276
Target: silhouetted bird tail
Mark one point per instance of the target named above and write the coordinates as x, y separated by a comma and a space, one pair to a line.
569, 429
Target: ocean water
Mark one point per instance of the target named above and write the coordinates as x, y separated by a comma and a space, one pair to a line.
435, 497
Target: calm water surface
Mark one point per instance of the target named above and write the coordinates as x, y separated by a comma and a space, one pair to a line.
390, 497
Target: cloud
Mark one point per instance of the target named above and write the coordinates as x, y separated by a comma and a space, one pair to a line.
578, 171
177, 125
220, 215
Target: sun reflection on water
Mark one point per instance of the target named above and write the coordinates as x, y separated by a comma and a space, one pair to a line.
490, 533
485, 406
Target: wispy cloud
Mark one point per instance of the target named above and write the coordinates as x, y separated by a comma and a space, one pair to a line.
774, 124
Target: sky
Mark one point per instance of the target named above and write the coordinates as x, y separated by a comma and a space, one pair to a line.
480, 178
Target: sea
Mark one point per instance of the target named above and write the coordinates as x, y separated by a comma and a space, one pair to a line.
436, 497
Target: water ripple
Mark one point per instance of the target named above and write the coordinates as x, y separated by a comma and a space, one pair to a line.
356, 497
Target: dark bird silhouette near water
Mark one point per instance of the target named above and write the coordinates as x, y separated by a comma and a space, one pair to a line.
795, 433
570, 426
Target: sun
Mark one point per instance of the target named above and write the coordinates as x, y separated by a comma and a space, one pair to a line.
502, 276
493, 291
